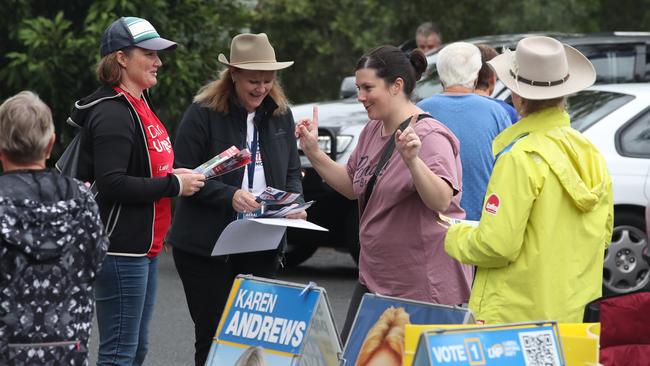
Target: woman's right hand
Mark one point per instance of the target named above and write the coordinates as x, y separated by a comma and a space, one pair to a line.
244, 201
307, 133
191, 182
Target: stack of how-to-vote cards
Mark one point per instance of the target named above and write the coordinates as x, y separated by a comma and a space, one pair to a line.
278, 203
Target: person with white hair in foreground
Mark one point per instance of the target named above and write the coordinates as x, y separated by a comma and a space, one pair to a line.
52, 244
548, 212
475, 120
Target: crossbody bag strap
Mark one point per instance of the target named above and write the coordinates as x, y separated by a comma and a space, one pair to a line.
386, 154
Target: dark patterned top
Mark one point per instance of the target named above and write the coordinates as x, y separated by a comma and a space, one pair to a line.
52, 243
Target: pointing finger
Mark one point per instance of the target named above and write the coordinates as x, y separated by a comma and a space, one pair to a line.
413, 120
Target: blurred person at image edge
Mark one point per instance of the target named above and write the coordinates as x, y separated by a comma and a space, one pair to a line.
52, 243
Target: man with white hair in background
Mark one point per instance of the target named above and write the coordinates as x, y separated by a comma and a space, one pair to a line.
475, 120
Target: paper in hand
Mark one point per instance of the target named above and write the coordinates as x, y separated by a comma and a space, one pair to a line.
274, 196
225, 162
453, 221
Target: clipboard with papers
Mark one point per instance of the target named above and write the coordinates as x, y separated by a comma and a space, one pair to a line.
257, 234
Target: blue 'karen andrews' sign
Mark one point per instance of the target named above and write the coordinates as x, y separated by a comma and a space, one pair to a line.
272, 316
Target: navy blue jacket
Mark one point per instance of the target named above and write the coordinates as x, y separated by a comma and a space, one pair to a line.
202, 134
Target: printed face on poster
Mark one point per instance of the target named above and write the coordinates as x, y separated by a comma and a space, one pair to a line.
376, 314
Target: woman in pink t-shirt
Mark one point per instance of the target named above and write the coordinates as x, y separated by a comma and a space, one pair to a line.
402, 252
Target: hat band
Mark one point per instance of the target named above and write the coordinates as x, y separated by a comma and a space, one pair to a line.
539, 83
254, 62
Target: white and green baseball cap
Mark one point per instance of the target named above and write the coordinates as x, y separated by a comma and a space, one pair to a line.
132, 31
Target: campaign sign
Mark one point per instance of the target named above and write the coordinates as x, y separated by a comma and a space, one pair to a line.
267, 315
322, 347
271, 321
377, 312
532, 344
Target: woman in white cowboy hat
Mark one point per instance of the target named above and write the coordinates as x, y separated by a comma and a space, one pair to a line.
547, 215
245, 107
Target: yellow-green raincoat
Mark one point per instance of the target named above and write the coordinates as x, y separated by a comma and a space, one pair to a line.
546, 222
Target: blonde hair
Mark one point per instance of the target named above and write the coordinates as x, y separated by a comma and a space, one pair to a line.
216, 94
26, 128
387, 332
253, 356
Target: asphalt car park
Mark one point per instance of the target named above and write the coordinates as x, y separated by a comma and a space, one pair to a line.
614, 114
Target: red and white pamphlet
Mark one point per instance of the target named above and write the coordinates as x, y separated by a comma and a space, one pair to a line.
225, 162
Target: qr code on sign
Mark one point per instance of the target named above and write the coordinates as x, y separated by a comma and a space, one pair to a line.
539, 348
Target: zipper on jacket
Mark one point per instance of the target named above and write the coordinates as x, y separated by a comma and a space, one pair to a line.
77, 344
146, 149
111, 222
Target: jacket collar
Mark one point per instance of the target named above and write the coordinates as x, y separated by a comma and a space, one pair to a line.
83, 106
546, 119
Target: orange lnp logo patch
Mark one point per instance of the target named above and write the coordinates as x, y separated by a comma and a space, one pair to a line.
492, 204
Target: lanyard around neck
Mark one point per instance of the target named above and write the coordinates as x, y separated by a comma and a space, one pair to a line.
251, 165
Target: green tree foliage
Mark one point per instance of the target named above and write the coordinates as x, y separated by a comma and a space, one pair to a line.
53, 47
327, 37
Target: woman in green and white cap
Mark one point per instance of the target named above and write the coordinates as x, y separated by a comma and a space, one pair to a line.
127, 153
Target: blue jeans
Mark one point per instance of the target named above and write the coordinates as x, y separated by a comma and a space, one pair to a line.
125, 291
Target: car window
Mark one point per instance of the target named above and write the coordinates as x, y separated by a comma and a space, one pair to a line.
634, 138
429, 83
647, 64
612, 64
590, 106
427, 86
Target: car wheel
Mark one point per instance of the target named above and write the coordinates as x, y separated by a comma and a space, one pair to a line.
625, 269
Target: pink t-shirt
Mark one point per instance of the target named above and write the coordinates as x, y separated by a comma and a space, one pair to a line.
402, 246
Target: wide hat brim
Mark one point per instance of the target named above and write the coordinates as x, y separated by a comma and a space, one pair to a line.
255, 65
581, 75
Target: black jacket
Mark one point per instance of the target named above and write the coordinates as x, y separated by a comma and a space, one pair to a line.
52, 244
202, 134
115, 156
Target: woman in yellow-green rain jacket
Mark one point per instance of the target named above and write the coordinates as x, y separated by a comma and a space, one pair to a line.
547, 214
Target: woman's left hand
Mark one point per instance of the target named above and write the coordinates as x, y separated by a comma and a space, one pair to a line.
302, 215
408, 144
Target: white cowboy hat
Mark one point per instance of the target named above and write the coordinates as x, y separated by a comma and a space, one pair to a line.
252, 52
543, 68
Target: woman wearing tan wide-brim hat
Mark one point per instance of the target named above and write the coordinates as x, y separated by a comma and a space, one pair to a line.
247, 108
547, 215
